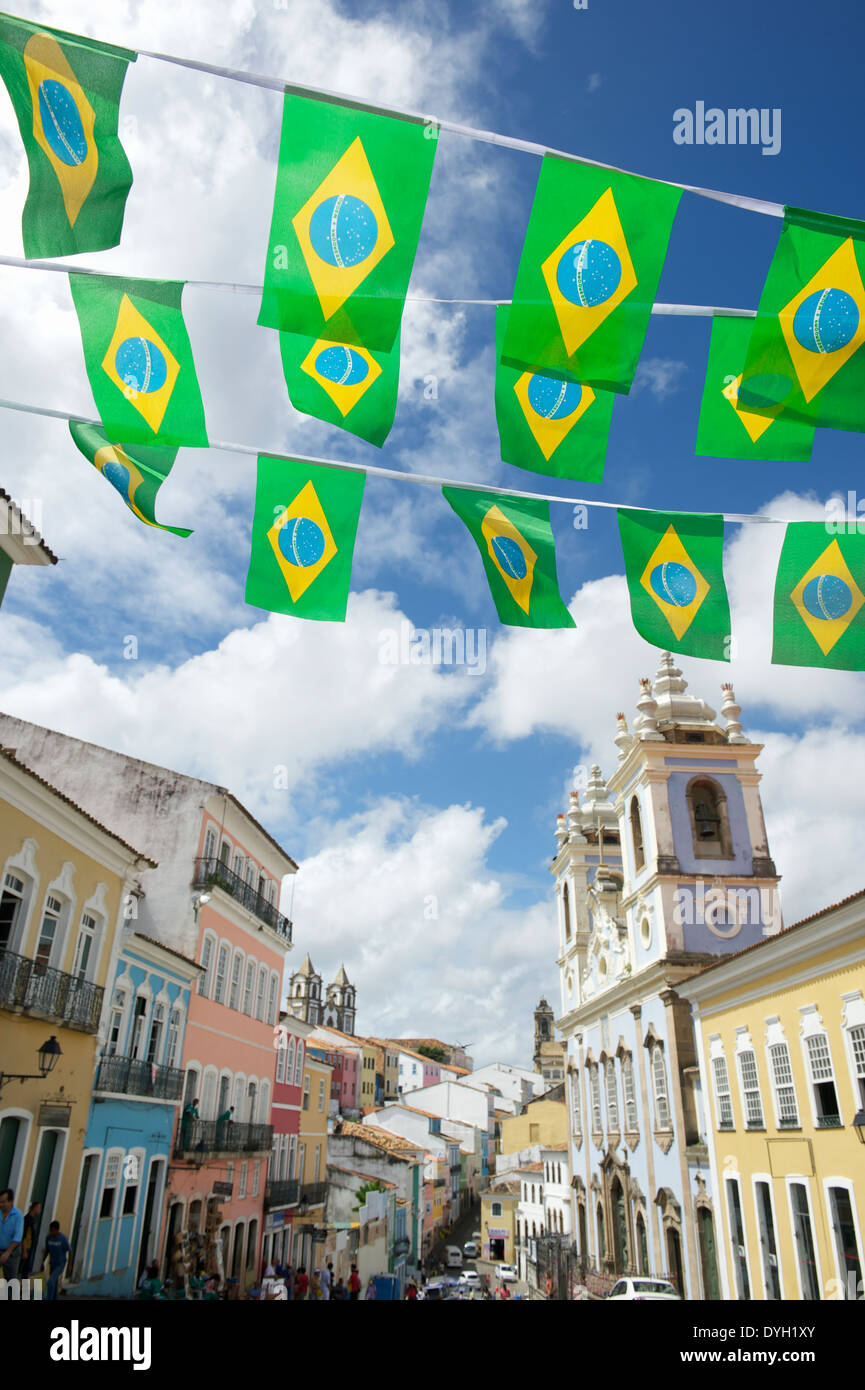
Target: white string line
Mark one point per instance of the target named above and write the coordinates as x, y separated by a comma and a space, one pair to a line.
65, 268
739, 518
486, 136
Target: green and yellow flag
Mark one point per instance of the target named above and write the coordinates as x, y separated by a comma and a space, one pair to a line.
674, 567
548, 425
351, 189
805, 354
819, 599
726, 429
345, 385
139, 360
516, 543
137, 472
588, 273
66, 93
303, 538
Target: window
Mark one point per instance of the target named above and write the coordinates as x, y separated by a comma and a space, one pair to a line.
241, 1185
637, 835
566, 904
822, 1081
306, 1093
84, 946
11, 905
596, 1098
225, 853
737, 1239
768, 1245
752, 1102
630, 1094
301, 1162
292, 1156
710, 831
782, 1083
496, 1208
49, 932
249, 987
157, 1023
205, 980
172, 1051
298, 1066
115, 1027
280, 1060
576, 1106
321, 1095
110, 1184
846, 1246
659, 1083
262, 987
857, 1045
804, 1238
236, 978
723, 1100
271, 1003
251, 1093
138, 1019
221, 971
237, 866
210, 844
255, 1178
612, 1097
317, 1169
289, 1063
130, 1192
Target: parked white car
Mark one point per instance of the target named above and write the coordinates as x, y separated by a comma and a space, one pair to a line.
470, 1279
471, 1250
507, 1274
637, 1289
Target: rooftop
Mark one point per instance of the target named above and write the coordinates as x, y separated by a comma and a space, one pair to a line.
380, 1138
16, 524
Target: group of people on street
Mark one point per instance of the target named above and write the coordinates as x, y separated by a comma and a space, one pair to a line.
19, 1245
321, 1284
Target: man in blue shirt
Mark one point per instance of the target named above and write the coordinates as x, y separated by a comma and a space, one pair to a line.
56, 1252
11, 1231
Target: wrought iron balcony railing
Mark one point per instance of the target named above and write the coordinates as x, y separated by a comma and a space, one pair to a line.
829, 1122
214, 873
52, 994
130, 1076
198, 1137
312, 1194
282, 1192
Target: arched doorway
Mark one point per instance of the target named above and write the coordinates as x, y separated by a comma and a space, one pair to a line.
674, 1259
620, 1226
642, 1244
584, 1239
602, 1236
708, 1259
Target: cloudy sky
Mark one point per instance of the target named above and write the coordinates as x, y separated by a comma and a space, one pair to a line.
421, 799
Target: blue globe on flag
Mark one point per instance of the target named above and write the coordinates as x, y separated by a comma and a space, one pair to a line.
343, 230
301, 541
827, 597
342, 366
141, 365
826, 321
552, 399
61, 123
674, 584
118, 477
509, 556
589, 273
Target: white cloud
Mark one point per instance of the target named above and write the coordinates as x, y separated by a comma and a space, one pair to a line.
594, 81
660, 375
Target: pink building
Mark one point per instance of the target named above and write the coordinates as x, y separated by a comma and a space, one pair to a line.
284, 1179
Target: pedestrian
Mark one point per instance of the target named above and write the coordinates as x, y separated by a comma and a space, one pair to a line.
371, 1290
223, 1124
411, 1291
326, 1278
288, 1281
57, 1249
28, 1238
301, 1283
354, 1283
11, 1231
189, 1116
340, 1292
315, 1285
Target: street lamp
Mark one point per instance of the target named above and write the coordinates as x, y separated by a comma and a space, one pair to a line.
859, 1125
47, 1054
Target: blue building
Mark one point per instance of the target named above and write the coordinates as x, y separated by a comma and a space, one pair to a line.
662, 870
137, 1093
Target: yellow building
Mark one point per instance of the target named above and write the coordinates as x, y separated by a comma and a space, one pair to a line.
64, 883
543, 1122
308, 1216
498, 1220
781, 1037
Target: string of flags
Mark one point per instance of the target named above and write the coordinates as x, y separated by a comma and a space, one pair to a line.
351, 191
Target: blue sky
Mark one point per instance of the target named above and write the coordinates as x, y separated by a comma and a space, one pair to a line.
413, 784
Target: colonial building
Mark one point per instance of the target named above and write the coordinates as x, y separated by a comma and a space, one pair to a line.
781, 1038
660, 871
337, 1008
548, 1055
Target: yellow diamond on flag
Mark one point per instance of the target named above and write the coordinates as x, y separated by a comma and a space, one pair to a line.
345, 372
141, 364
756, 425
824, 324
123, 474
673, 582
562, 405
63, 121
589, 273
302, 541
343, 229
511, 554
827, 598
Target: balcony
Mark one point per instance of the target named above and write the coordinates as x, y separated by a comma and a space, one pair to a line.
201, 1139
36, 989
283, 1192
829, 1122
210, 873
312, 1194
130, 1076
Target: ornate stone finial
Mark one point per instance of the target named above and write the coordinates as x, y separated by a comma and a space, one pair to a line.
669, 680
623, 739
561, 829
596, 787
731, 711
646, 722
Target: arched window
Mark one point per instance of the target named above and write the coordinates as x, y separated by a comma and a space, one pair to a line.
566, 903
629, 1093
298, 1066
237, 865
263, 1116
175, 1029
205, 979
659, 1084
249, 988
596, 1098
85, 947
236, 980
221, 973
637, 834
49, 943
12, 904
710, 828
612, 1097
271, 1002
262, 989
210, 844
289, 1063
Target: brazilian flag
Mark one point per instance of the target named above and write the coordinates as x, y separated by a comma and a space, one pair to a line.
727, 430
303, 536
136, 472
139, 360
548, 425
345, 385
351, 189
588, 273
805, 354
674, 567
819, 599
516, 543
66, 92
